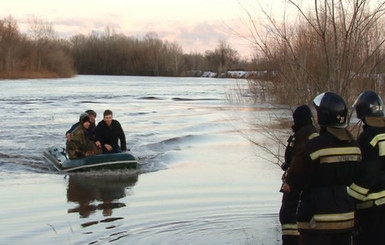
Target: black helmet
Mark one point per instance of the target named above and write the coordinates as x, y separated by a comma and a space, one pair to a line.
331, 110
368, 103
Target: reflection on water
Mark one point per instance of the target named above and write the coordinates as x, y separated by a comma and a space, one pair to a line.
93, 192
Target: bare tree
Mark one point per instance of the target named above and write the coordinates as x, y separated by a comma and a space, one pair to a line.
40, 29
309, 48
330, 45
9, 40
175, 59
222, 58
42, 33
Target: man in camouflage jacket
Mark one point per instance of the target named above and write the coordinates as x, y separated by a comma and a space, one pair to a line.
79, 145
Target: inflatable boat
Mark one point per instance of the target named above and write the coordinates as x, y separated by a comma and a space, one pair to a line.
59, 159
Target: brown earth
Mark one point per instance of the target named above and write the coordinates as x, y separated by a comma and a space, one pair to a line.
26, 75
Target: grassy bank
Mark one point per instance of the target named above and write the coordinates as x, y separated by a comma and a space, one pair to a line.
28, 75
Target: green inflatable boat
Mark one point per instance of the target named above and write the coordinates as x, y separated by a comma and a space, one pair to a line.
59, 159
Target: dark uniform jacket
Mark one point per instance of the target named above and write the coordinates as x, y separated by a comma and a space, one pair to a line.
369, 188
296, 144
332, 160
110, 135
294, 155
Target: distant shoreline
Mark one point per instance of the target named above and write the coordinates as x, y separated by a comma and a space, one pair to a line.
207, 74
27, 75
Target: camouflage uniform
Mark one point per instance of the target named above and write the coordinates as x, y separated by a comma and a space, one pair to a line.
80, 145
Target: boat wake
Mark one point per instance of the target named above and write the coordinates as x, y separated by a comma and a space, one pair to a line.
21, 163
160, 155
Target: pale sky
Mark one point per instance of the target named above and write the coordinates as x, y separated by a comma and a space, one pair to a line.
196, 25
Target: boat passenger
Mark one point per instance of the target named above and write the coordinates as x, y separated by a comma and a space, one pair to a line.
108, 132
80, 145
91, 129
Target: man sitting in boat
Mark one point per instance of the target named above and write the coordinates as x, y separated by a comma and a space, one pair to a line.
108, 132
91, 129
79, 144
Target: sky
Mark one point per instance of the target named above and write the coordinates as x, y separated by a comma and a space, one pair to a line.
196, 25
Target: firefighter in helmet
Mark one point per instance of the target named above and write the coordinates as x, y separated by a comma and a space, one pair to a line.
369, 187
325, 212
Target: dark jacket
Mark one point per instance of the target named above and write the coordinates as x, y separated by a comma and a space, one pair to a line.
296, 144
296, 153
332, 161
369, 188
110, 135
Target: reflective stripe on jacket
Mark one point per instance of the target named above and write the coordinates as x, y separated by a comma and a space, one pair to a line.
290, 229
332, 162
369, 188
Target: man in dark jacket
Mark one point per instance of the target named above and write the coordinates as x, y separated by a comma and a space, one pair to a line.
108, 133
326, 212
369, 188
303, 130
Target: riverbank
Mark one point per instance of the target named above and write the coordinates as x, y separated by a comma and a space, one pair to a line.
206, 74
28, 75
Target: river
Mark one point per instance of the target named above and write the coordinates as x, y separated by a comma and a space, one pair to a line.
199, 182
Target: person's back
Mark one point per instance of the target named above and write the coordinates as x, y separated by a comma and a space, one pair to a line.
326, 211
369, 187
332, 166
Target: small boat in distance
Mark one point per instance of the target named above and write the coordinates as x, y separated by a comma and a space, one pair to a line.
58, 158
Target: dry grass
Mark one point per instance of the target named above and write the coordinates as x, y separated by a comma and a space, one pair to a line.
27, 75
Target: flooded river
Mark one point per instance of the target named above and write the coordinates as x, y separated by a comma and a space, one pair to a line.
199, 182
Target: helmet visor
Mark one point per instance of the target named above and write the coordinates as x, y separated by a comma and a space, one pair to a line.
357, 100
317, 100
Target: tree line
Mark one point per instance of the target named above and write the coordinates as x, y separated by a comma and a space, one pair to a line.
42, 54
37, 56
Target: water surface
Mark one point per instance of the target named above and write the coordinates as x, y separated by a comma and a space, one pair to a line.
200, 181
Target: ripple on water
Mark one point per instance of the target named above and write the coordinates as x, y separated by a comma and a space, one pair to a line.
199, 181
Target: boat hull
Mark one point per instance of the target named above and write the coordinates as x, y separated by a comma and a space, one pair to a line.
58, 158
